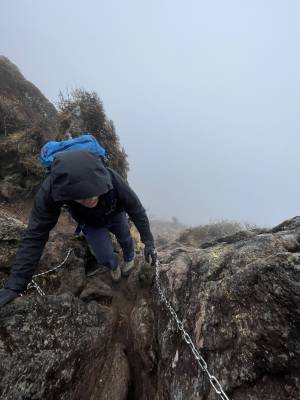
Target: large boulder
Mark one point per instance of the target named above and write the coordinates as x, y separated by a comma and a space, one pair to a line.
241, 304
59, 348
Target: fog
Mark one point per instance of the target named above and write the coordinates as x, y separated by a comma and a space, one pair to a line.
204, 95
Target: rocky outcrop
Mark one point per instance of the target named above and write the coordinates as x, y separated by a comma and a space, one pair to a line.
241, 302
47, 345
27, 121
22, 105
239, 299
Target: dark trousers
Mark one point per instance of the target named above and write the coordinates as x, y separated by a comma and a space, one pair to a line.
100, 241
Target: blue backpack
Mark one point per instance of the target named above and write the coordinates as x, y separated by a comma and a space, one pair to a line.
84, 142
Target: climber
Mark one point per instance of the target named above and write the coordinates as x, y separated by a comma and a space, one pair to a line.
99, 200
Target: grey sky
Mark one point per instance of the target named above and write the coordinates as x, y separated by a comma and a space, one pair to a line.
204, 95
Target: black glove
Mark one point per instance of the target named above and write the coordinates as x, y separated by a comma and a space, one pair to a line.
7, 295
150, 251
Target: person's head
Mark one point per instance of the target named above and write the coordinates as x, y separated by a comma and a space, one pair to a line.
79, 176
91, 202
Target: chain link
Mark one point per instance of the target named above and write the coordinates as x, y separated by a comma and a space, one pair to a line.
59, 266
187, 338
33, 284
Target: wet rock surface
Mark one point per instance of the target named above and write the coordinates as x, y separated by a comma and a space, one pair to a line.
238, 298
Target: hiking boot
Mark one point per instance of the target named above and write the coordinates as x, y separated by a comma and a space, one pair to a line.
116, 274
127, 267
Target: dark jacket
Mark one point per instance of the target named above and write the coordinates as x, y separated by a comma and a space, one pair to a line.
74, 176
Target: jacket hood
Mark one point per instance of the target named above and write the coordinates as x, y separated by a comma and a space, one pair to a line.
78, 175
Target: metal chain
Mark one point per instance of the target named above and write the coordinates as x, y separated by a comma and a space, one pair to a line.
59, 266
187, 338
33, 284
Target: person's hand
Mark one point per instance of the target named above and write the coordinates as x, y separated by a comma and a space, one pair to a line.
7, 295
150, 252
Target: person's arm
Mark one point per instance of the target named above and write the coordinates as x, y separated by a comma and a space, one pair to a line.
43, 218
137, 213
132, 206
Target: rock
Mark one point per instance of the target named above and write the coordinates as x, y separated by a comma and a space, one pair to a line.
142, 327
27, 121
116, 378
240, 302
101, 292
146, 275
47, 345
22, 103
11, 230
74, 281
142, 351
70, 277
289, 224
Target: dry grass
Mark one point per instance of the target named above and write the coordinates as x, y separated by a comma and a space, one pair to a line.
212, 231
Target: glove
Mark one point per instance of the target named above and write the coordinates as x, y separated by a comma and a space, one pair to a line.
150, 251
7, 295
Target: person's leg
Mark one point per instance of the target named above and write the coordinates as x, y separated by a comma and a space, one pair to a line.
100, 242
119, 226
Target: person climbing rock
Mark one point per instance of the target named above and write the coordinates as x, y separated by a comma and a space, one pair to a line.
99, 199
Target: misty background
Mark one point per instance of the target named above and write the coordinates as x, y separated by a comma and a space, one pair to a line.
204, 95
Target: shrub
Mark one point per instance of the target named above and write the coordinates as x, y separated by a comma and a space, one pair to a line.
81, 112
209, 232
